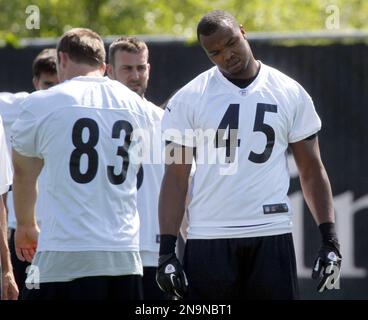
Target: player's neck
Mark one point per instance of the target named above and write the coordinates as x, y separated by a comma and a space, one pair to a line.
83, 70
252, 69
249, 72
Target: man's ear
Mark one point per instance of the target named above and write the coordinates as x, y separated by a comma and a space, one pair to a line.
35, 81
63, 58
103, 68
242, 30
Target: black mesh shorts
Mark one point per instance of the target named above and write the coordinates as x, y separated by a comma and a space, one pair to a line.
151, 290
242, 268
127, 287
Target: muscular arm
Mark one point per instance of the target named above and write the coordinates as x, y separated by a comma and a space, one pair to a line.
26, 171
173, 194
5, 255
314, 180
5, 200
9, 289
170, 274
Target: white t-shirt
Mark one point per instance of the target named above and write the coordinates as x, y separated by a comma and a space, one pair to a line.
10, 108
241, 181
5, 165
149, 184
85, 131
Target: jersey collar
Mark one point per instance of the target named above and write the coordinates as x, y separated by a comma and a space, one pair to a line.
89, 78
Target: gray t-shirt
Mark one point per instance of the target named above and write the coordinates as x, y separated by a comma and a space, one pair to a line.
61, 266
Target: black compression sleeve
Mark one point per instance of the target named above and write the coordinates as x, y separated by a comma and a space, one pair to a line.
167, 244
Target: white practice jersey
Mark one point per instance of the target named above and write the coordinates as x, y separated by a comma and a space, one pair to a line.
5, 166
85, 131
10, 110
241, 137
149, 184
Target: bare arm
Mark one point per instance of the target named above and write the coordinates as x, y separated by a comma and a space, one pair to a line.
26, 171
314, 180
9, 289
318, 195
5, 200
5, 255
170, 275
173, 194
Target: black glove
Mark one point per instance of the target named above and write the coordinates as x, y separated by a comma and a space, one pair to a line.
170, 275
328, 262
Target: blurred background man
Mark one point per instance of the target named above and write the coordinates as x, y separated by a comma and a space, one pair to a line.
44, 69
128, 64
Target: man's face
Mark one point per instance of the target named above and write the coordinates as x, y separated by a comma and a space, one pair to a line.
132, 70
228, 49
45, 81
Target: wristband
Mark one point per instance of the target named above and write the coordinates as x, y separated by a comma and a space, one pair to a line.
167, 244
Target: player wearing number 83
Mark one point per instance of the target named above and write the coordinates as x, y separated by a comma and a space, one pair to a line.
81, 134
239, 236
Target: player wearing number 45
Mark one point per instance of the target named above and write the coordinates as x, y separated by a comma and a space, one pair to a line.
239, 238
79, 132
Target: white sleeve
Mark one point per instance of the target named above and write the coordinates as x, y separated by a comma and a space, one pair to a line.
24, 133
5, 165
305, 121
178, 124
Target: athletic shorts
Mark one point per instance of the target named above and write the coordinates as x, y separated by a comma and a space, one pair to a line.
241, 268
127, 287
151, 290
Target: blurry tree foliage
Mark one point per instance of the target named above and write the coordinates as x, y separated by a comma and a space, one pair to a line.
175, 17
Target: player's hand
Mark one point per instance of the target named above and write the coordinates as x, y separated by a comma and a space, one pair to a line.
170, 276
26, 239
327, 265
9, 290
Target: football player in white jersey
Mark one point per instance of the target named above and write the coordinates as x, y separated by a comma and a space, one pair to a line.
128, 64
82, 133
240, 117
44, 77
8, 286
